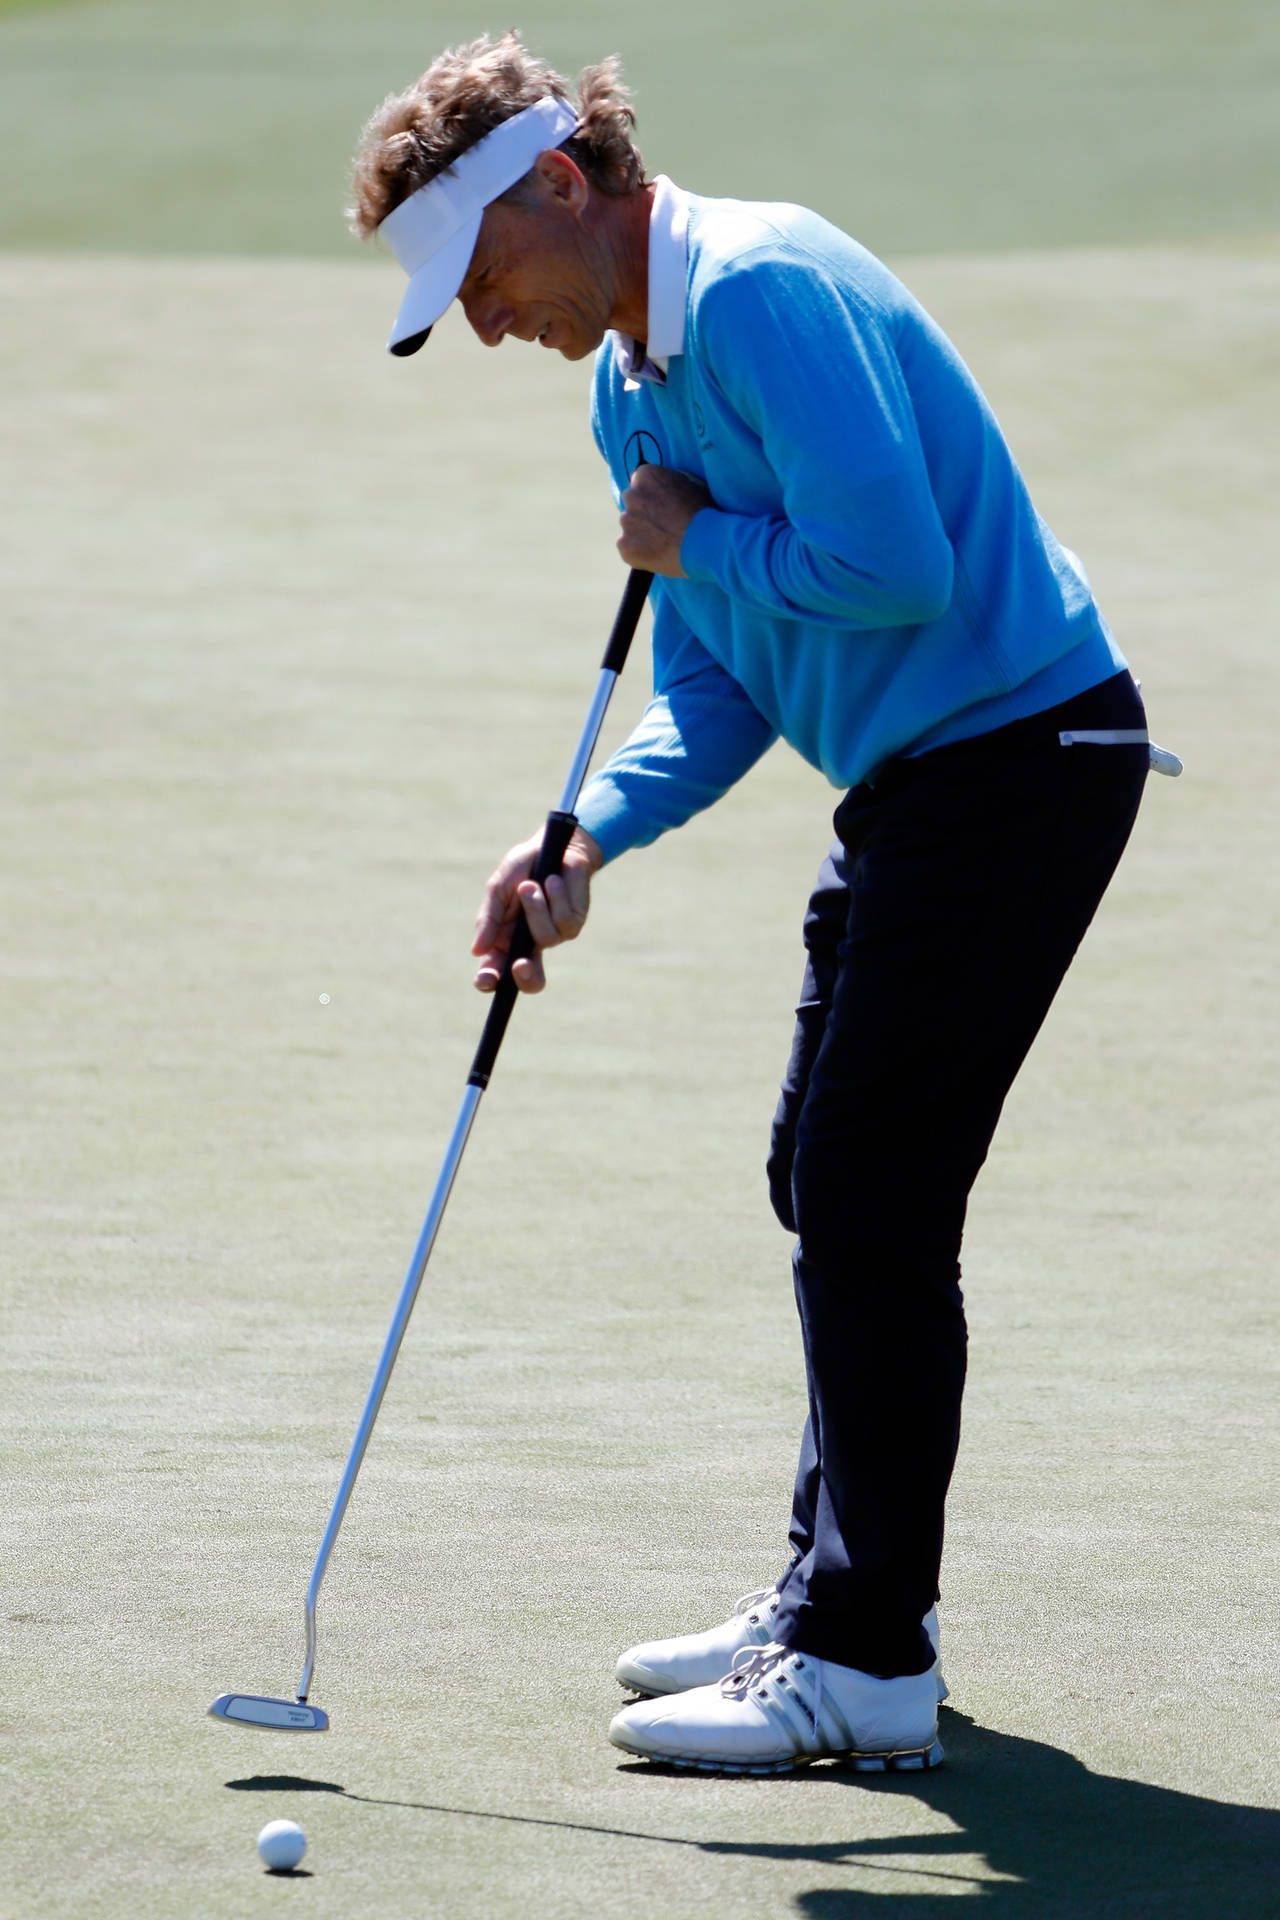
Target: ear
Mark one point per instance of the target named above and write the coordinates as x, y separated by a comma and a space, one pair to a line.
563, 178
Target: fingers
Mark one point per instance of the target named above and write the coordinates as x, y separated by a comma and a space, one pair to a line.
529, 975
552, 918
657, 508
499, 904
555, 912
661, 488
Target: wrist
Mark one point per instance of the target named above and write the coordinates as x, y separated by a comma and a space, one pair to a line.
589, 847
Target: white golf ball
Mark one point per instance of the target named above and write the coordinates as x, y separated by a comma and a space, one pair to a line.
281, 1844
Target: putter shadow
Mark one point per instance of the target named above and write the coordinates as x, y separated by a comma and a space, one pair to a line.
282, 1783
1068, 1844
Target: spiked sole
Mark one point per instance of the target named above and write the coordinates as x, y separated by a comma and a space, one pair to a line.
910, 1760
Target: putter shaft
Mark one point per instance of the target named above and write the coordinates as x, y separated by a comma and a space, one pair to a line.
400, 1320
560, 825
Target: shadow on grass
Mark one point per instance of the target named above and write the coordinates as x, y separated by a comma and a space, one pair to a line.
1069, 1844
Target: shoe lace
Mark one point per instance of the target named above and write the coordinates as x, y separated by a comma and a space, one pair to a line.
750, 1600
755, 1667
751, 1668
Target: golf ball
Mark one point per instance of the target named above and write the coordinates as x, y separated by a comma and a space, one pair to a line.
281, 1844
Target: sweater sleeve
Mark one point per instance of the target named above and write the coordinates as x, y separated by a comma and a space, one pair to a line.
698, 735
812, 370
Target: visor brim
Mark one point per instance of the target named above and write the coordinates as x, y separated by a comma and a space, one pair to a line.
433, 288
403, 348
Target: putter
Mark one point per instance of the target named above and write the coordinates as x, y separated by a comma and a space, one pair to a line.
299, 1716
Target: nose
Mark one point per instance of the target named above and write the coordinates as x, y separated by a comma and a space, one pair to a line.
489, 318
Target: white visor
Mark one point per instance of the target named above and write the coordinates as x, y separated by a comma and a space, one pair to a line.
433, 233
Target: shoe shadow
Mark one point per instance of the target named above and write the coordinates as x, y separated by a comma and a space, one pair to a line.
1059, 1842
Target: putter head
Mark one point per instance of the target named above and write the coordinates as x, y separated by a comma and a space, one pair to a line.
279, 1716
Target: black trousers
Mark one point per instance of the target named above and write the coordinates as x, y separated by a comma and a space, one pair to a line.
943, 921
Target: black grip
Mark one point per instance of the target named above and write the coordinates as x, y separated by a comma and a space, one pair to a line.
624, 627
556, 836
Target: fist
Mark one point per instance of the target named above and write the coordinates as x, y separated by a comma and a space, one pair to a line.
656, 509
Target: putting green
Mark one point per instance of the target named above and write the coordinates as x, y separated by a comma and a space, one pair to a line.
299, 640
920, 124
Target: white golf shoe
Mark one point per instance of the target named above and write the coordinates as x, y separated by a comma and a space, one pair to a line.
700, 1659
780, 1709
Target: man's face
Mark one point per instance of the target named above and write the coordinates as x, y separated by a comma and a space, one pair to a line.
536, 276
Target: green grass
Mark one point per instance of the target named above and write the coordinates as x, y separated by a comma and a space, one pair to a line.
299, 640
919, 124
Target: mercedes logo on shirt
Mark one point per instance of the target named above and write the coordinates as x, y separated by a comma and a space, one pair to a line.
643, 450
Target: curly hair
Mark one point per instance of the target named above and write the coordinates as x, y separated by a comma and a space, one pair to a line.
464, 94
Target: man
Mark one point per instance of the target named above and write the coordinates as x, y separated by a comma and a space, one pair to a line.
846, 556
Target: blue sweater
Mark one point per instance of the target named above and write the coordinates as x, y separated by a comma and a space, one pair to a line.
873, 579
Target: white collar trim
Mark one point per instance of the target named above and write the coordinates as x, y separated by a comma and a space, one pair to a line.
668, 284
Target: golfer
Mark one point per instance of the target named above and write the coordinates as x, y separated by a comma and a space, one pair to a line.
846, 557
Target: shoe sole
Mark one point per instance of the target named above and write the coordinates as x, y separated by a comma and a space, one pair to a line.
668, 1693
649, 1692
910, 1760
659, 1693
